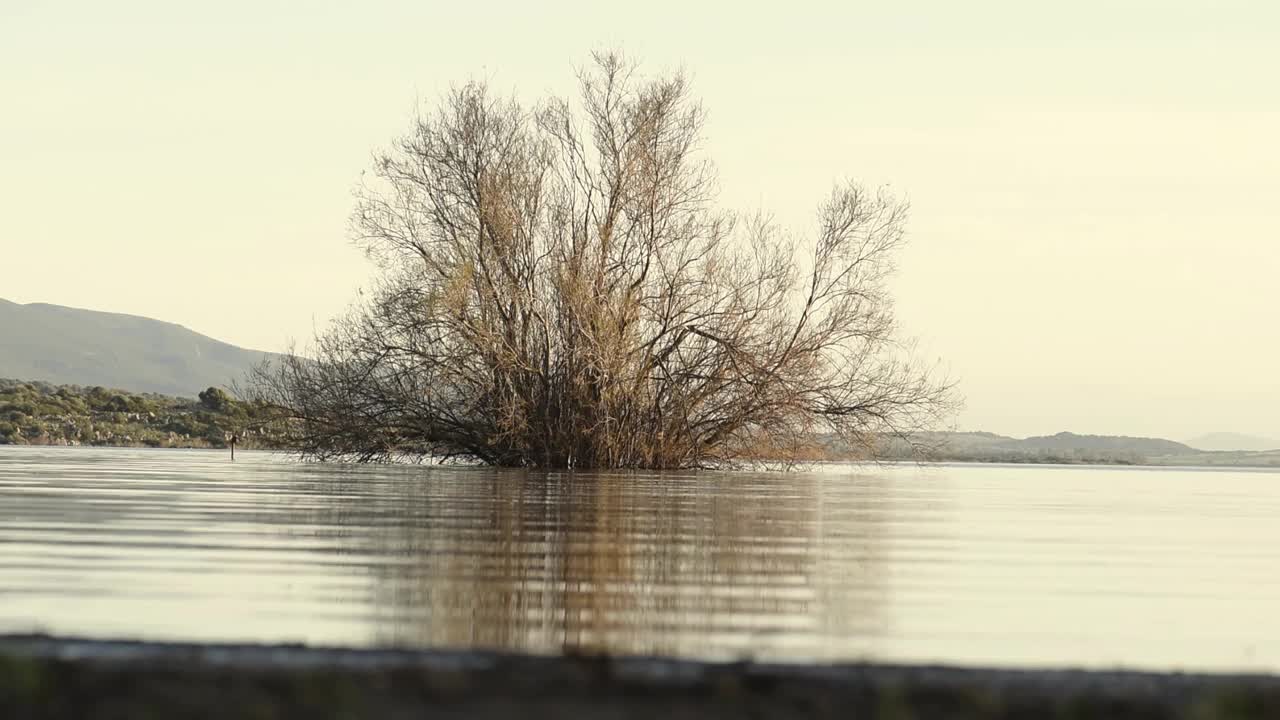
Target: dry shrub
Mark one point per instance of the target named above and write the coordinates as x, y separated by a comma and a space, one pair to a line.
559, 289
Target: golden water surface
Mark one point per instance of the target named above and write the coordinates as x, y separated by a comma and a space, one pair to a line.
1003, 565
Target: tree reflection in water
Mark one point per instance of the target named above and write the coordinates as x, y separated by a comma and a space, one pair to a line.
711, 565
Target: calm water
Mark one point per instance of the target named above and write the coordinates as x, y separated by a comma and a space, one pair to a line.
999, 565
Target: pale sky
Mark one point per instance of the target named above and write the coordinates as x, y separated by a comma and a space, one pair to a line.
1094, 184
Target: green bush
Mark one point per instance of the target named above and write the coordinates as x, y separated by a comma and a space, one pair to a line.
214, 399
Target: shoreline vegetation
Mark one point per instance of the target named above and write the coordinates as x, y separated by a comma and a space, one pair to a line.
55, 678
40, 413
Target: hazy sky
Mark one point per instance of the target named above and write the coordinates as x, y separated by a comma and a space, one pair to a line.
1095, 185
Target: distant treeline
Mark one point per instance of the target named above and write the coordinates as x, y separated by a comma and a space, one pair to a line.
38, 413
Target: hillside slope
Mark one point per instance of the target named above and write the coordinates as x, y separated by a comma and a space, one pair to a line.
65, 345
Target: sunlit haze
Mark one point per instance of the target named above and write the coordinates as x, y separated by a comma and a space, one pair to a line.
1093, 242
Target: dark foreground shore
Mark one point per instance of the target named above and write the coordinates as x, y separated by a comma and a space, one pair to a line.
44, 677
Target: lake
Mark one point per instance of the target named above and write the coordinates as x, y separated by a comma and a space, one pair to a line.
1154, 568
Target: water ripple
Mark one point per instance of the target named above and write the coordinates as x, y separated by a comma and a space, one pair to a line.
1170, 568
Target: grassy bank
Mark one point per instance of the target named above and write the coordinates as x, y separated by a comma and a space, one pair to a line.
37, 413
43, 677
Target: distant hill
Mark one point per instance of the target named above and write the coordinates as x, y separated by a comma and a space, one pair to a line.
1064, 447
968, 443
83, 347
1104, 443
1226, 441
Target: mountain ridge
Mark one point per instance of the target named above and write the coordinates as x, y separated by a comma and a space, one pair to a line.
76, 346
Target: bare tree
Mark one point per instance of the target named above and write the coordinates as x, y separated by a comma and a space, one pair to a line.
558, 289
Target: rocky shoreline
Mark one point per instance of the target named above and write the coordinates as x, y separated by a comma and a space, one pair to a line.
51, 677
